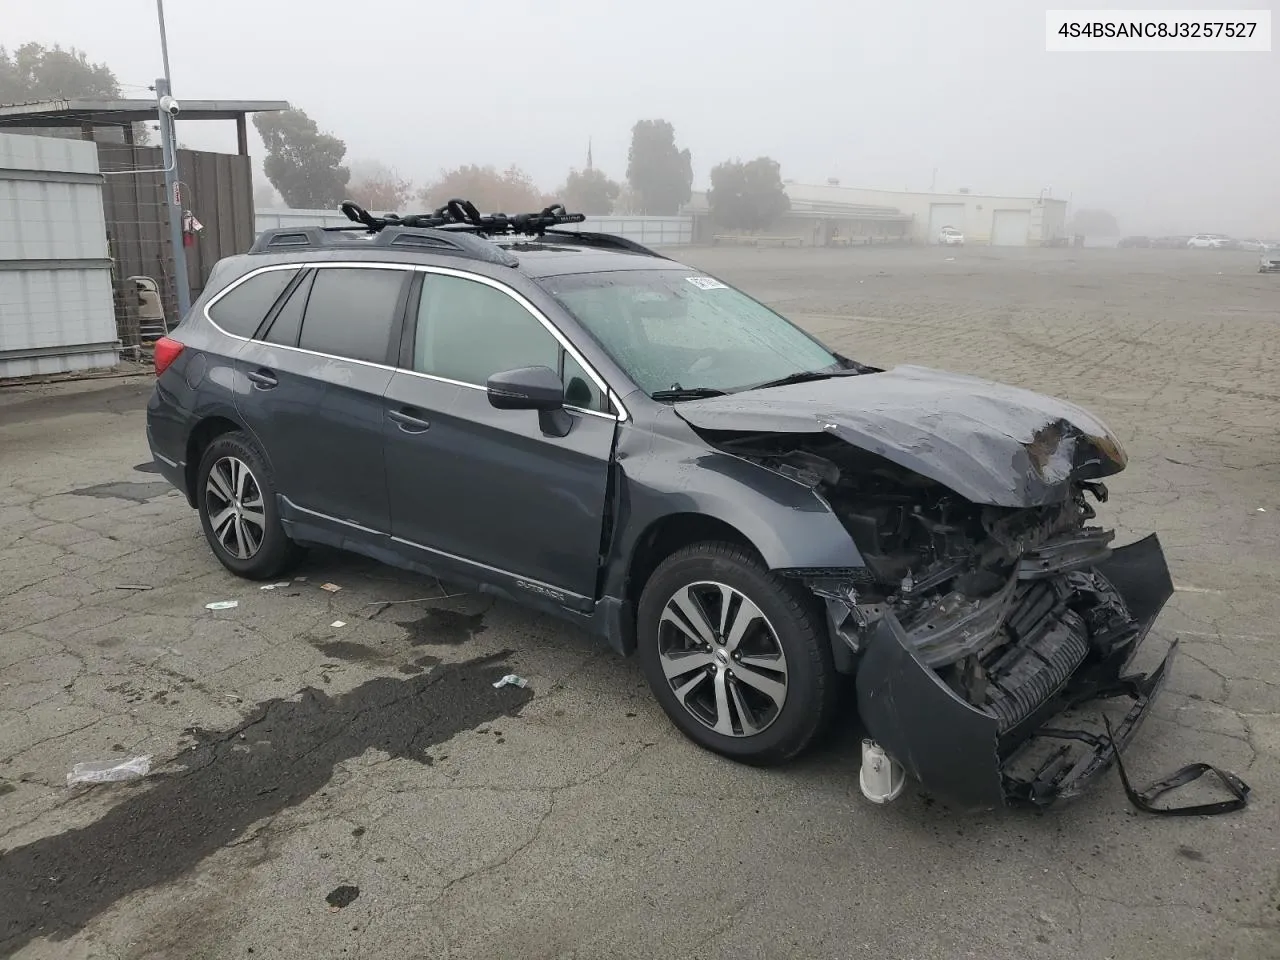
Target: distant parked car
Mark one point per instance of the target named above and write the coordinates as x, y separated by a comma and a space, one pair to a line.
1170, 243
1134, 242
1211, 241
950, 237
1259, 246
1269, 259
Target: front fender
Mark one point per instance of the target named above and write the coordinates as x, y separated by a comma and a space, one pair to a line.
788, 523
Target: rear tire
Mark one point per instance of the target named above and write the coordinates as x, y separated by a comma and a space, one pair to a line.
236, 496
738, 658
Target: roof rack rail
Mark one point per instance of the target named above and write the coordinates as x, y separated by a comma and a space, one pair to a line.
611, 241
286, 239
457, 228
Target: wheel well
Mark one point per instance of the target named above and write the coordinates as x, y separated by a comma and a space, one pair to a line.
670, 534
203, 434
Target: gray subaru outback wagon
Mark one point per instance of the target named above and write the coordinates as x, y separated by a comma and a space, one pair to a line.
583, 425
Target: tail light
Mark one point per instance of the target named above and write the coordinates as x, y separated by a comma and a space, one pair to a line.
166, 352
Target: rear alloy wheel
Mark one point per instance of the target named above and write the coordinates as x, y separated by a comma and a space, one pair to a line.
233, 501
739, 658
237, 502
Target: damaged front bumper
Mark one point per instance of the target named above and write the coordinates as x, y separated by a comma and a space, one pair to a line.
1057, 748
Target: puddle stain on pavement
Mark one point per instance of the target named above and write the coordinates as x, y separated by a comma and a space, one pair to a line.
163, 826
442, 626
138, 492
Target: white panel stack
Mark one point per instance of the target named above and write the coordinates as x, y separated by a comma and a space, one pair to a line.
56, 310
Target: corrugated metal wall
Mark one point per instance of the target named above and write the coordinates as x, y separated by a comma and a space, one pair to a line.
56, 311
216, 187
651, 231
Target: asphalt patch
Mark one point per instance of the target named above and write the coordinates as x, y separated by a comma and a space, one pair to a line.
341, 897
166, 824
441, 626
139, 492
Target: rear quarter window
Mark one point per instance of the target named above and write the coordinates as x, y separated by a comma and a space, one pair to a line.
241, 309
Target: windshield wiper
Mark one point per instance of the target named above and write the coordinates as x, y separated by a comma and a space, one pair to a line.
687, 393
804, 376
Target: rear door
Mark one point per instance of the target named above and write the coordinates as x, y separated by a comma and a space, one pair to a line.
486, 489
313, 381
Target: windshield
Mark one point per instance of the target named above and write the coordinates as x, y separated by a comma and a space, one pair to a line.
674, 329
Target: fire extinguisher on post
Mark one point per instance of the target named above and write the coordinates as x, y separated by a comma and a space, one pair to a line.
190, 227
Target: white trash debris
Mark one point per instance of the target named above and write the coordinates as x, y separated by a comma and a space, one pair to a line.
511, 680
331, 587
109, 771
338, 623
222, 605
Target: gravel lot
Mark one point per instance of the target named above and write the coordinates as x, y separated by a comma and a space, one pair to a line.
294, 758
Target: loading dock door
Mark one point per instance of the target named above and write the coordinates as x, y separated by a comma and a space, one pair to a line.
945, 215
1010, 228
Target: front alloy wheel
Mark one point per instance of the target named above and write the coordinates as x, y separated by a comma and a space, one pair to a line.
722, 658
233, 500
738, 657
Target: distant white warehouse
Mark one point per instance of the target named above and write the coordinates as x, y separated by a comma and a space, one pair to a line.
831, 213
998, 221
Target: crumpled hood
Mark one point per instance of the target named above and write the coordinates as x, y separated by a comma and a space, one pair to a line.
990, 443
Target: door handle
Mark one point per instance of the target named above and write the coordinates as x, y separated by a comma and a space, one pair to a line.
408, 422
263, 379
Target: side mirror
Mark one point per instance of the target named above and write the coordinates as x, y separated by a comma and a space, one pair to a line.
526, 388
532, 388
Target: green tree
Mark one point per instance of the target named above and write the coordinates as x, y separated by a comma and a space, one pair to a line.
375, 186
589, 191
34, 72
747, 196
660, 173
511, 191
302, 163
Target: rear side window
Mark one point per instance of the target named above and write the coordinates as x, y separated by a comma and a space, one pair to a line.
351, 312
241, 309
288, 320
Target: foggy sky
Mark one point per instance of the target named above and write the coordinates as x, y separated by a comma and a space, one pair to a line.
877, 94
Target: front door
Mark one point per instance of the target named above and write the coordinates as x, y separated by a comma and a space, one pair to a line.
487, 489
317, 374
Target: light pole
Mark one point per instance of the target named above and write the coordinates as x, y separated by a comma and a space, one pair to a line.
167, 110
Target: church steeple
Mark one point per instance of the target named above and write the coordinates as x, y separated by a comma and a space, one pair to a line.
588, 153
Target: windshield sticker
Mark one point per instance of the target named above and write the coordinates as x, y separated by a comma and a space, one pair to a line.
707, 283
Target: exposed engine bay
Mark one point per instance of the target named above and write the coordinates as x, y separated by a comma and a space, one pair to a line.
1005, 605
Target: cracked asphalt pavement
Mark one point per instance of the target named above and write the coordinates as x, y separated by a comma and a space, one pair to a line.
364, 791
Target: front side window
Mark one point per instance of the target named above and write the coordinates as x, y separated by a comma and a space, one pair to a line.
241, 309
351, 312
669, 329
467, 331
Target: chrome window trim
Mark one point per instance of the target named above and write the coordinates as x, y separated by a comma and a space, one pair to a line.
606, 391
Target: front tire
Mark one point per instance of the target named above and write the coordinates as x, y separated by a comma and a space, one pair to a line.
738, 658
236, 496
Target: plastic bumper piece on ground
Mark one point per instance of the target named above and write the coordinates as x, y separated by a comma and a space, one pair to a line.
956, 750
